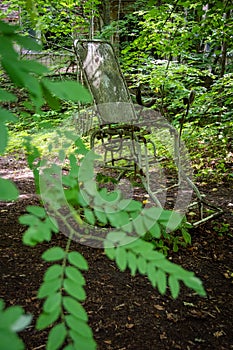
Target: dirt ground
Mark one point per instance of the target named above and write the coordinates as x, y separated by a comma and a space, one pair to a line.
126, 313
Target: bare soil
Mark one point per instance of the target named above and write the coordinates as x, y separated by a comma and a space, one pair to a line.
125, 312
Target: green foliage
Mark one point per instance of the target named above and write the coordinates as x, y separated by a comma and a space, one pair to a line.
182, 30
127, 221
165, 240
140, 256
215, 105
8, 190
210, 149
179, 49
63, 291
75, 197
28, 75
12, 320
222, 229
41, 226
57, 22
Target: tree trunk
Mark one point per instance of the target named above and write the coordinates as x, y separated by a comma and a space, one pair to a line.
224, 49
106, 12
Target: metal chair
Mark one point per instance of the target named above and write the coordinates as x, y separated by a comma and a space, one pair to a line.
124, 130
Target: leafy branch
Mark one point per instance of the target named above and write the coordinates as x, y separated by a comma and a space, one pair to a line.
140, 256
81, 209
63, 289
29, 75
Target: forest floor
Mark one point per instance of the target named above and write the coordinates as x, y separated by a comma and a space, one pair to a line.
125, 312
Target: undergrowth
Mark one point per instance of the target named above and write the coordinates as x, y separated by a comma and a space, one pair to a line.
211, 151
209, 147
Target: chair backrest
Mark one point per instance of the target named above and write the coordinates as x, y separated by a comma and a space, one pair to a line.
105, 81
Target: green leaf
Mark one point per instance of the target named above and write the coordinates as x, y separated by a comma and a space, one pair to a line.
170, 219
29, 220
174, 286
53, 272
186, 236
8, 190
148, 222
5, 28
107, 196
101, 216
52, 302
28, 237
116, 236
45, 320
118, 219
39, 231
196, 284
139, 226
142, 265
153, 256
82, 202
37, 211
10, 316
33, 66
128, 227
153, 213
89, 216
121, 258
130, 205
132, 262
7, 50
171, 268
56, 337
82, 342
77, 260
140, 247
54, 254
152, 274
75, 308
10, 340
27, 42
13, 70
110, 252
52, 100
2, 304
161, 281
32, 84
51, 224
22, 322
75, 275
68, 90
6, 96
155, 230
69, 347
78, 326
86, 173
90, 185
49, 287
3, 137
74, 290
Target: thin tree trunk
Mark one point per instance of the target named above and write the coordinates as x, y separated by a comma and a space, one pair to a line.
106, 12
224, 58
224, 49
